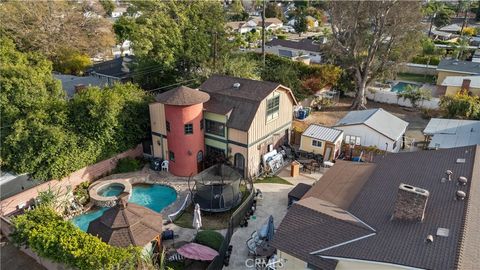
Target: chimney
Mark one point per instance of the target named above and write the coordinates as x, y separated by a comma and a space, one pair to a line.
466, 85
410, 204
79, 88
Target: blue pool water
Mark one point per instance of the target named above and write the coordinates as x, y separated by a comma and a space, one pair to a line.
401, 86
155, 197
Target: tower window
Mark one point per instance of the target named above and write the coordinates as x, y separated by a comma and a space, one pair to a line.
188, 129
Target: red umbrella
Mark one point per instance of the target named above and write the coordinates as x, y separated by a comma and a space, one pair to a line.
197, 252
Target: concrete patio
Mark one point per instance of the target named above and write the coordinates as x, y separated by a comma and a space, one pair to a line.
274, 203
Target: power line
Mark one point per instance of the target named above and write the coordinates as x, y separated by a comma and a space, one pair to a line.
166, 86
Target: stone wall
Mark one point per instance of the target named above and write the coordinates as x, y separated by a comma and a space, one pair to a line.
89, 173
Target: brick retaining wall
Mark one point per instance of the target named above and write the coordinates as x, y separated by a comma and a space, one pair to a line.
88, 173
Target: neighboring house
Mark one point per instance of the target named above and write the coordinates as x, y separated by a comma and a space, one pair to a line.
448, 133
454, 67
400, 212
440, 35
72, 84
455, 84
324, 140
295, 49
451, 28
240, 26
374, 127
241, 119
115, 70
270, 23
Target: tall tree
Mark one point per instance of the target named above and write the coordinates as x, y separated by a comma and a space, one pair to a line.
178, 37
123, 28
273, 10
50, 26
301, 23
371, 38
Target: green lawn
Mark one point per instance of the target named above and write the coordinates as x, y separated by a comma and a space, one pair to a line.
273, 180
210, 221
416, 78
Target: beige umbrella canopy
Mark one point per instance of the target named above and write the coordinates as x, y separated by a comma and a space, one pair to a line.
127, 224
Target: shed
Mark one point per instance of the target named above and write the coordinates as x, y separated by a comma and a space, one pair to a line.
297, 193
374, 127
322, 140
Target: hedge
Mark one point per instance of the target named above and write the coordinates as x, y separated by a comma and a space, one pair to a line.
210, 238
52, 237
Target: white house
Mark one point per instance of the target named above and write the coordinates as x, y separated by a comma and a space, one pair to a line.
450, 133
375, 127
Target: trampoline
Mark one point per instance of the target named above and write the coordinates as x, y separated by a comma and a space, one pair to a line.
217, 189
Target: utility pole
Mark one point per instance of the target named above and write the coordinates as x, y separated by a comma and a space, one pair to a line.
465, 11
263, 32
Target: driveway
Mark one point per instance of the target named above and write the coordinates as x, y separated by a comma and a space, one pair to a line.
274, 202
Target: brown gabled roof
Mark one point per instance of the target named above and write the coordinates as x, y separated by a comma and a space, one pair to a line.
397, 242
182, 96
341, 183
127, 225
242, 102
312, 225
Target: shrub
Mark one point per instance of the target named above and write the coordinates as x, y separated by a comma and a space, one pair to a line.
128, 164
210, 238
47, 234
461, 106
81, 193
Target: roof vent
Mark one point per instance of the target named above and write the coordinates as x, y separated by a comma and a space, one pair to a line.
462, 181
449, 174
460, 160
236, 85
410, 204
460, 195
444, 232
429, 238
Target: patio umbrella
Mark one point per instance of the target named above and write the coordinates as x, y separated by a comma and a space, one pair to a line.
271, 228
197, 252
197, 217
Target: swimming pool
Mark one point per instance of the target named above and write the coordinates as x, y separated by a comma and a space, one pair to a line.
155, 197
401, 86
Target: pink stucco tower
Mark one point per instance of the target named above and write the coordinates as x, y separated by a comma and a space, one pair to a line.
185, 136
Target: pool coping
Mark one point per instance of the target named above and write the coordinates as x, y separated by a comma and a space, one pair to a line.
180, 186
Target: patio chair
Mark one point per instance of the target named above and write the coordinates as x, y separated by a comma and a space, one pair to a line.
256, 238
165, 165
252, 247
175, 257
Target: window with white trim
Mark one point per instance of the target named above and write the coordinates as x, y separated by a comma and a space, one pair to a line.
317, 143
273, 106
350, 139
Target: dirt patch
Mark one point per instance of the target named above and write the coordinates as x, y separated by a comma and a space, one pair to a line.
330, 116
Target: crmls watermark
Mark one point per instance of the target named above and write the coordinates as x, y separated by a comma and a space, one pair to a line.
262, 263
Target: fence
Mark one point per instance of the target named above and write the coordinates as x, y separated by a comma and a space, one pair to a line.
235, 220
419, 69
89, 173
389, 97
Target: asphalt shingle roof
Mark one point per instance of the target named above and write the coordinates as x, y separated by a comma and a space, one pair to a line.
123, 226
182, 96
241, 102
459, 66
322, 133
303, 45
400, 242
377, 119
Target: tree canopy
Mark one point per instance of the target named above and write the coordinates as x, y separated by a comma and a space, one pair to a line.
49, 27
177, 37
371, 38
49, 137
